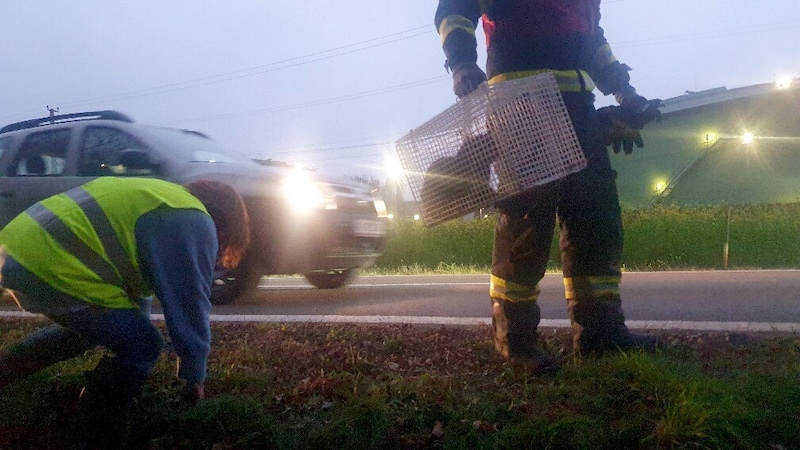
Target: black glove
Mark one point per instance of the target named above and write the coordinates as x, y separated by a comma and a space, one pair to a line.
621, 125
466, 78
637, 111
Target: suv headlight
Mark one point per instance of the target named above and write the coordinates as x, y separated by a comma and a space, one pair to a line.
303, 193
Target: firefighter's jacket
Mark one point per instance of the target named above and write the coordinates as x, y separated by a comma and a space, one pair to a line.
88, 234
526, 37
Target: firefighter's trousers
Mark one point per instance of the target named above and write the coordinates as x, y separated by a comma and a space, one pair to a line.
585, 206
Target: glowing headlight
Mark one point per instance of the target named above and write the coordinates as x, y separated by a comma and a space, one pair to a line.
304, 194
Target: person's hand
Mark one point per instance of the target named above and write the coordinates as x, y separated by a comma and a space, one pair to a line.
466, 78
637, 111
194, 392
620, 125
615, 132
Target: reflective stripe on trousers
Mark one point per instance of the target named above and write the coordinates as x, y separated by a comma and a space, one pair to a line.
576, 288
512, 292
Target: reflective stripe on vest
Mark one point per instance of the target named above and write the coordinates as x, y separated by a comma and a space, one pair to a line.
108, 237
119, 272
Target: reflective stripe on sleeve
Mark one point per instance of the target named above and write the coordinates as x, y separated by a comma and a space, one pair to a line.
453, 23
512, 292
568, 80
604, 56
591, 287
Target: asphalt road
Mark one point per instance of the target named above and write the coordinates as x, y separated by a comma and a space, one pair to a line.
710, 296
723, 300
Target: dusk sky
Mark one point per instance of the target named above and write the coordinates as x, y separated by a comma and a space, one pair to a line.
333, 85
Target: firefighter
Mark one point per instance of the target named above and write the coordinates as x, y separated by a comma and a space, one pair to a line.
562, 37
91, 258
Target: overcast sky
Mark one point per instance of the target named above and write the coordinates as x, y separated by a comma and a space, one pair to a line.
333, 84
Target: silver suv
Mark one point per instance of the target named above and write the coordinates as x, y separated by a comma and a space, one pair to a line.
303, 224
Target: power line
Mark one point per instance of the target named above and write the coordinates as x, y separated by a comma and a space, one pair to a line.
324, 101
361, 46
709, 34
326, 148
653, 41
317, 151
264, 68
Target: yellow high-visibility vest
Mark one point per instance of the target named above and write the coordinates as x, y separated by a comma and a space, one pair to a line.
82, 242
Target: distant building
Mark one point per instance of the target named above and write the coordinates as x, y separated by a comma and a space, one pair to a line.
716, 146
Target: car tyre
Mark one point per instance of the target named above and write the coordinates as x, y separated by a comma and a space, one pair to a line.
229, 285
331, 279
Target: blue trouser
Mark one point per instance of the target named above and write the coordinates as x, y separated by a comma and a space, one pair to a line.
79, 326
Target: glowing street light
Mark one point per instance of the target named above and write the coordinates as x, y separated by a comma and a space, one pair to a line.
783, 83
710, 138
659, 186
747, 138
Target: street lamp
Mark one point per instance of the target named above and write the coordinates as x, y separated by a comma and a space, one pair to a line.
783, 83
659, 186
710, 138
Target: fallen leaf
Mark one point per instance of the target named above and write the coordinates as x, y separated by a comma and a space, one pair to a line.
438, 430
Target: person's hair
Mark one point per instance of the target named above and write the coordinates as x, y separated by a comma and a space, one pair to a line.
228, 211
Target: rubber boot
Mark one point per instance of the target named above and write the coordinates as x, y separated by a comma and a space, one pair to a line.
38, 350
516, 338
598, 325
102, 415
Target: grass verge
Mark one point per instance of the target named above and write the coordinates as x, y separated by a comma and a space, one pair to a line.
318, 386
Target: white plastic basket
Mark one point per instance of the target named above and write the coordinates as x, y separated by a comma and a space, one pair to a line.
499, 141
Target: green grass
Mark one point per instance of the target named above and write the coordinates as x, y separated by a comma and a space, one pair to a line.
657, 238
453, 244
316, 386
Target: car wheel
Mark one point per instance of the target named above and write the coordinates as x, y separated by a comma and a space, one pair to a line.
231, 284
331, 279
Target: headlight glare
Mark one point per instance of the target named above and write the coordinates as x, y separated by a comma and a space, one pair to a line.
304, 194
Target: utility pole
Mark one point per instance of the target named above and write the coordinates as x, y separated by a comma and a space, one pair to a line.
52, 111
726, 247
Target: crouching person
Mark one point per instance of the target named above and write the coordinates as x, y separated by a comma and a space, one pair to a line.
85, 259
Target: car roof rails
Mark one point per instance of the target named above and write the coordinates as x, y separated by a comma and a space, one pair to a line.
92, 115
196, 133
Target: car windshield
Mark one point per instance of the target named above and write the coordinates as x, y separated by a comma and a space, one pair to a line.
192, 146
